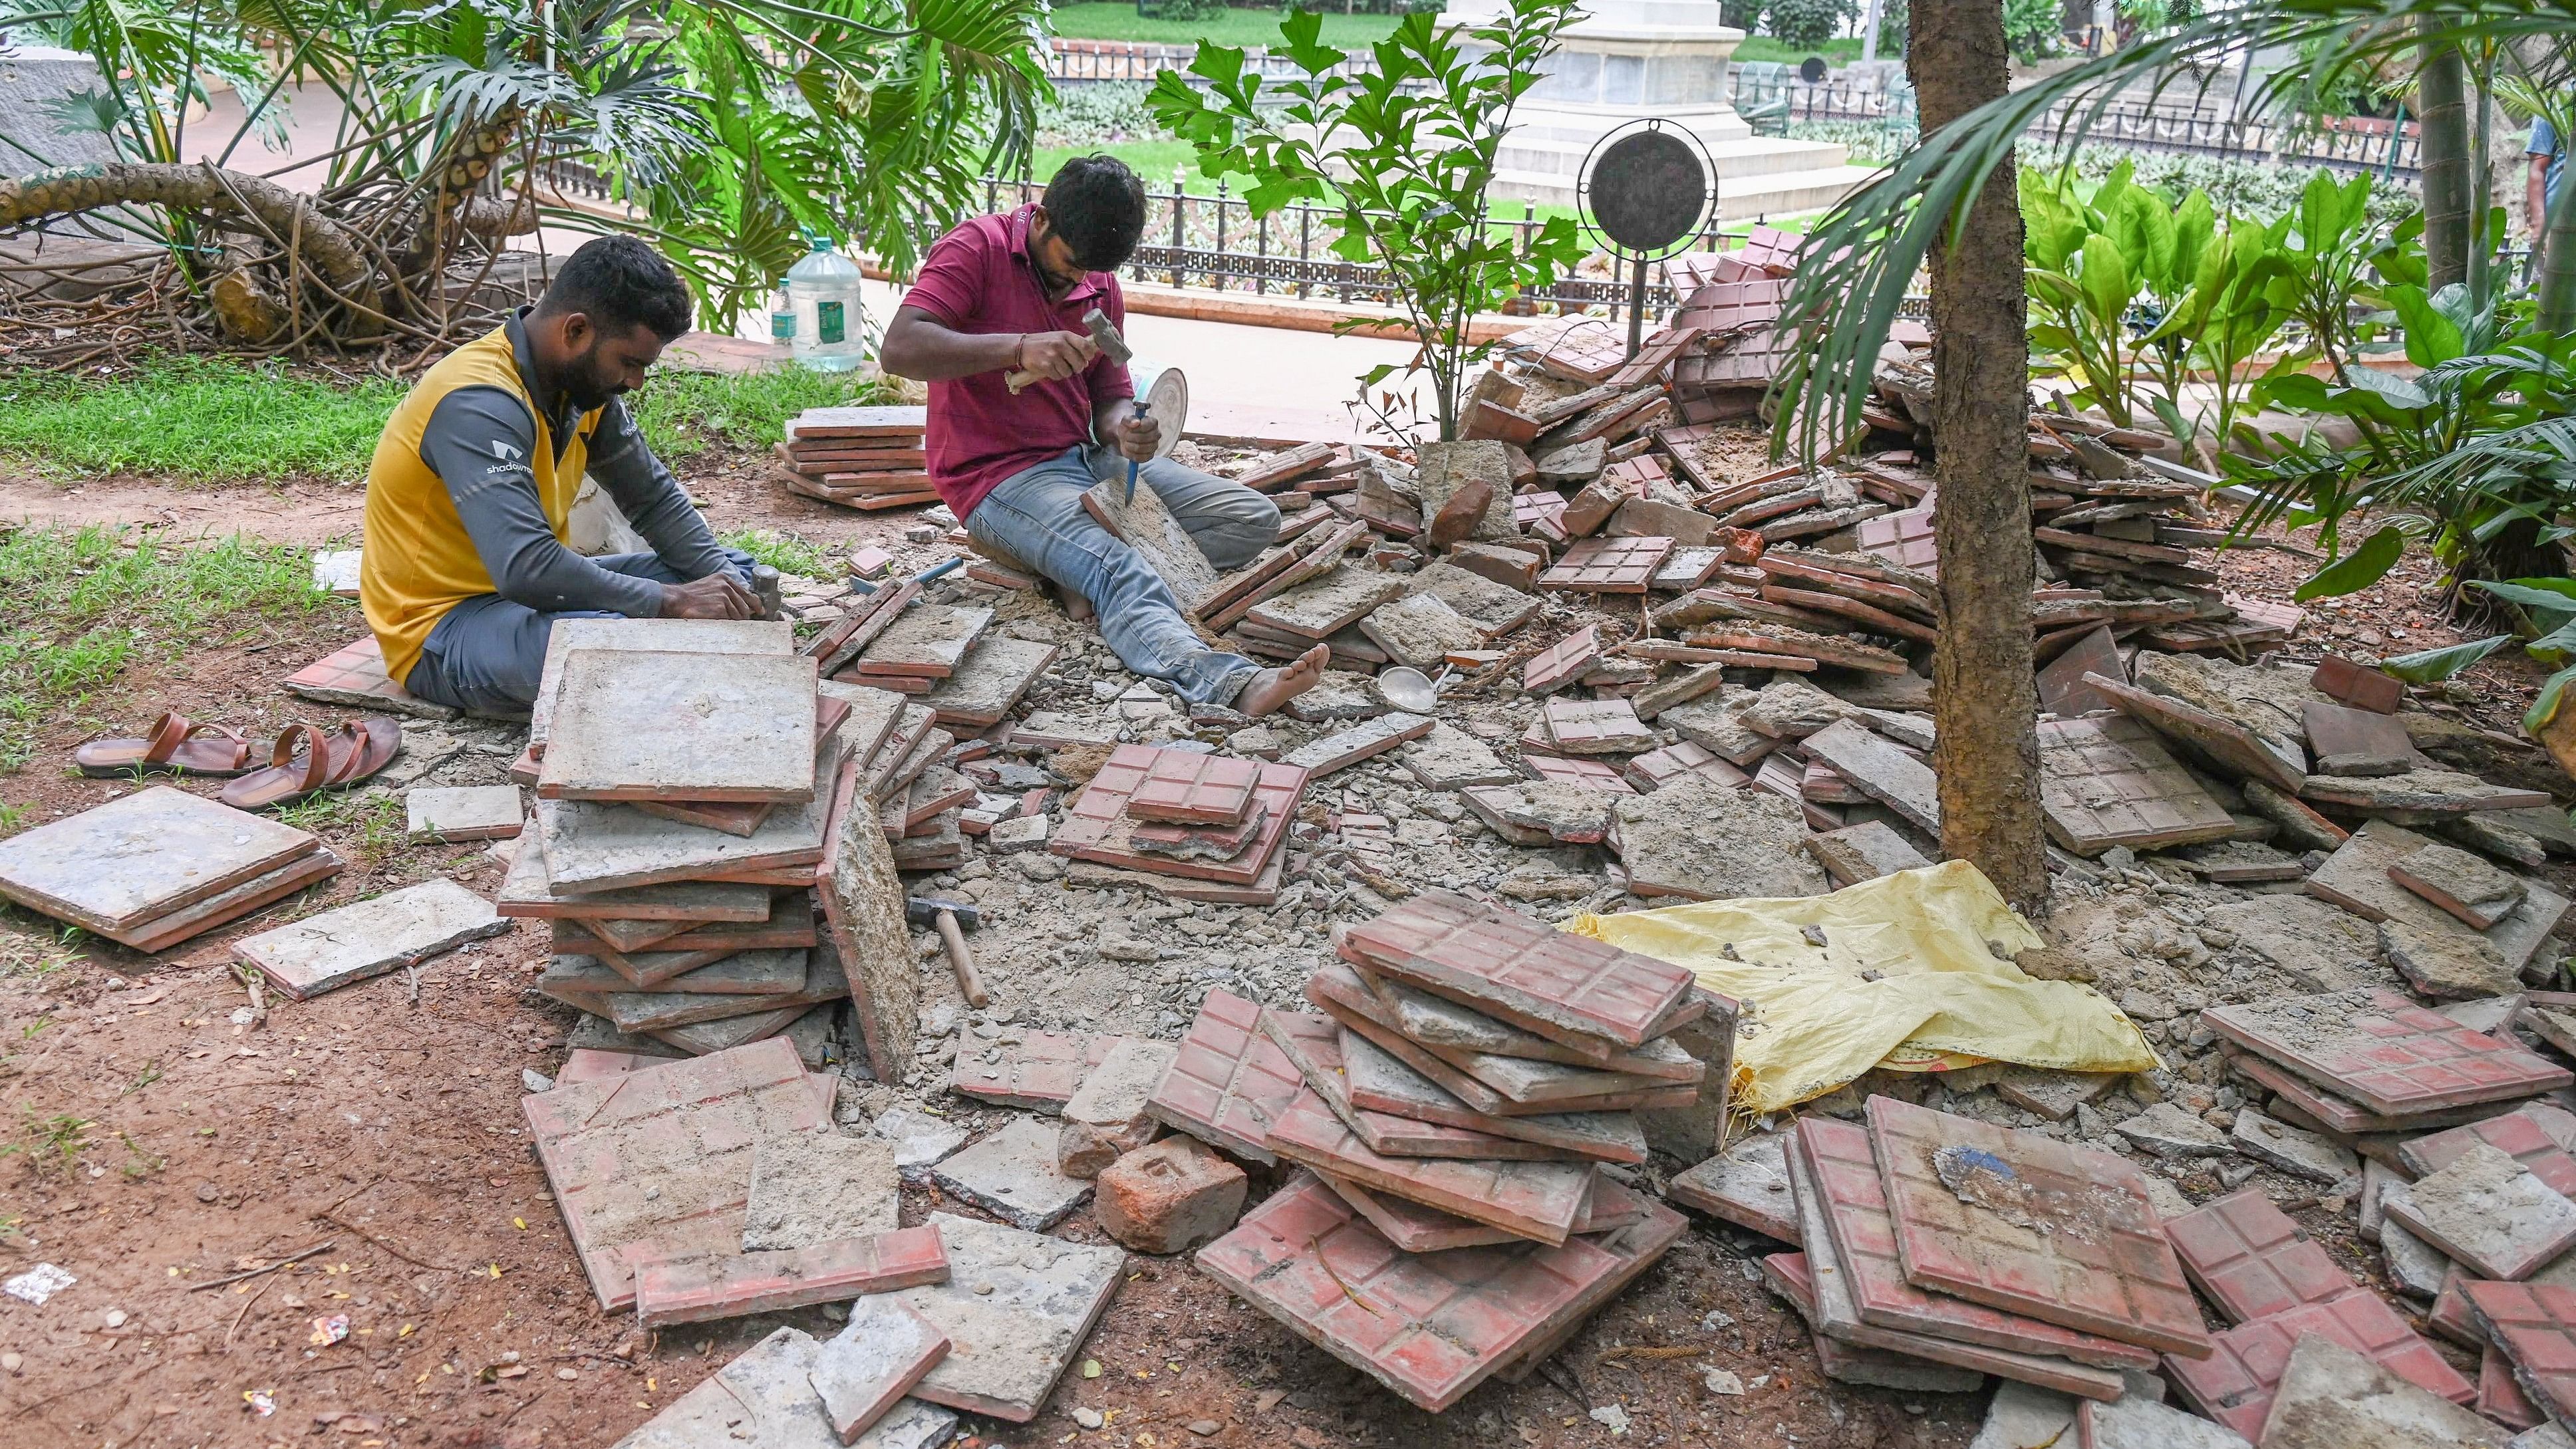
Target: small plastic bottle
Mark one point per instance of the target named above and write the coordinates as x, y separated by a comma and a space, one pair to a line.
782, 318
823, 291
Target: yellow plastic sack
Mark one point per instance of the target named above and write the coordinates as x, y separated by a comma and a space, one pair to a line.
1812, 1017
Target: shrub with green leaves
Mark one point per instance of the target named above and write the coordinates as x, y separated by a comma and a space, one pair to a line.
1807, 23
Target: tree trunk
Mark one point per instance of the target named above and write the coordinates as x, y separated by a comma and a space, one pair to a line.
1985, 702
284, 213
2442, 101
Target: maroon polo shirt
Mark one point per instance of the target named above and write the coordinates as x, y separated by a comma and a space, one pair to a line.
979, 278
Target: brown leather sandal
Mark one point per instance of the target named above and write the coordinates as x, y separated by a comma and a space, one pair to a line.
332, 761
176, 743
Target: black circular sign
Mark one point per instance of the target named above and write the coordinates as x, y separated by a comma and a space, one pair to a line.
1812, 70
1648, 190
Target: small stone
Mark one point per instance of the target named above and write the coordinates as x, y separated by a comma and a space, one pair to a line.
535, 1081
12, 1362
567, 1374
1203, 1427
2025, 1416
920, 1140
113, 1318
1088, 1418
2172, 1133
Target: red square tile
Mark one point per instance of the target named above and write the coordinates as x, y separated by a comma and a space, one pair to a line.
1839, 1162
2384, 1052
1186, 788
1229, 1082
1563, 662
1655, 769
2535, 1325
2536, 1135
2248, 1256
1096, 826
1040, 1071
355, 669
2235, 1384
1595, 726
1562, 986
1608, 565
2055, 1232
2501, 1398
1536, 1200
1429, 1326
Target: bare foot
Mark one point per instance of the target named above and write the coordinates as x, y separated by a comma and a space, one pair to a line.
1272, 688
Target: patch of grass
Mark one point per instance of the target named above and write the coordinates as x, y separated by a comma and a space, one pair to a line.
789, 553
377, 815
1841, 50
1118, 20
683, 413
207, 420
58, 1138
78, 605
195, 418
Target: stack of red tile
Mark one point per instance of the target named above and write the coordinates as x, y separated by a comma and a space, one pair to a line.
1174, 812
867, 458
1454, 1105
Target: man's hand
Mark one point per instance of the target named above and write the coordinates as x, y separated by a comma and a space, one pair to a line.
717, 596
1053, 356
1134, 434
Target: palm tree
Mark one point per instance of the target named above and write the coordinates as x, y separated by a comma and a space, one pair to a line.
731, 127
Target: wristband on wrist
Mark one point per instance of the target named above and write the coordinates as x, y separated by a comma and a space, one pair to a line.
1019, 351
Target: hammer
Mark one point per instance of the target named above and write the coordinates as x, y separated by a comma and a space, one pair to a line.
1103, 333
945, 917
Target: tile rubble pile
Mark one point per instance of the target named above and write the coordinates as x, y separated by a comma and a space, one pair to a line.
159, 867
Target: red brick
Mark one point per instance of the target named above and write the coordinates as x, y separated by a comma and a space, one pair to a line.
2384, 1052
1040, 1072
1229, 1081
1538, 1200
2345, 682
2252, 1260
697, 1287
1168, 1196
1839, 1161
2535, 1325
1429, 1326
2536, 1135
1185, 788
1563, 987
2235, 1384
684, 1132
2499, 1397
2111, 1273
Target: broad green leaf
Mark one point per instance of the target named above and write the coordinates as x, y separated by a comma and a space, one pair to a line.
2357, 570
2553, 693
2397, 391
2427, 665
2558, 594
2431, 337
2195, 225
2556, 647
2106, 281
2145, 229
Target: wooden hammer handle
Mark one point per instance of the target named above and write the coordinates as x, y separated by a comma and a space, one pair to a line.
968, 981
1019, 378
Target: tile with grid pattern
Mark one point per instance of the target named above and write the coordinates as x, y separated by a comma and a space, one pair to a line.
1733, 306
1039, 1072
1193, 789
2102, 1264
1590, 774
2537, 1136
1537, 1200
1096, 827
1528, 973
1838, 1160
1595, 726
1903, 538
1655, 769
2381, 1050
2251, 1259
1608, 565
1229, 1082
2235, 1384
693, 1288
2105, 781
1313, 1043
658, 1162
2535, 1325
1563, 662
1429, 1326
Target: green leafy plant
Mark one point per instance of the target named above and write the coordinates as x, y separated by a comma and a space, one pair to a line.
2035, 29
1810, 23
1406, 152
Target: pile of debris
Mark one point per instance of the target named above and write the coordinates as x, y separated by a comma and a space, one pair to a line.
868, 458
1219, 826
158, 867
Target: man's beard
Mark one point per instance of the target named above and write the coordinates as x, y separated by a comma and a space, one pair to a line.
585, 385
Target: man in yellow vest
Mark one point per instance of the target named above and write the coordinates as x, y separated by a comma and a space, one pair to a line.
466, 569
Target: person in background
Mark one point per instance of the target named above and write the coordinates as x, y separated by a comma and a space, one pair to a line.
1006, 294
2548, 152
465, 568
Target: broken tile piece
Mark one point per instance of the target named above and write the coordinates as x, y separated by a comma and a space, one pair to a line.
2466, 885
1325, 754
2132, 1422
1862, 852
809, 1188
1039, 1072
873, 1361
2236, 1383
461, 812
1012, 1174
370, 937
2171, 1132
696, 1287
1595, 726
2446, 965
2381, 1050
1227, 1082
1106, 1116
2251, 1259
2333, 1398
1015, 1307
2489, 1212
768, 1384
1703, 841
2292, 1150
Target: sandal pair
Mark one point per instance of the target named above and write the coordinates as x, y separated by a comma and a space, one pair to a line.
307, 760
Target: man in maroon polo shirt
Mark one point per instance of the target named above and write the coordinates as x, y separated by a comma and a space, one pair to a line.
1007, 293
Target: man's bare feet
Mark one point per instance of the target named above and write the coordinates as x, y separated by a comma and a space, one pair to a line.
1272, 688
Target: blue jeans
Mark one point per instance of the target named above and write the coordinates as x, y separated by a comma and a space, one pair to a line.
1037, 517
486, 654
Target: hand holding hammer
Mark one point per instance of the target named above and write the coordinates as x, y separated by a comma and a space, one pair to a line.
1043, 353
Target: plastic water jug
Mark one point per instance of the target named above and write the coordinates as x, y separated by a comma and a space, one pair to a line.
823, 292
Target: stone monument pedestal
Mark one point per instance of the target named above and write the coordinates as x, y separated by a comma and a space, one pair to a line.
1628, 60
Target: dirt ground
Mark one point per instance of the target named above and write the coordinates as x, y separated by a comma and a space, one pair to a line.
156, 1142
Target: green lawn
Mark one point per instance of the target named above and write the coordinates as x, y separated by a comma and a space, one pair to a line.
202, 420
1843, 50
1110, 20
